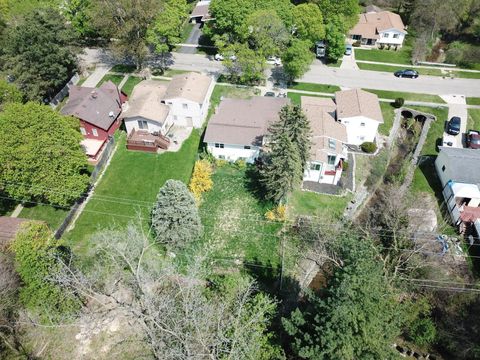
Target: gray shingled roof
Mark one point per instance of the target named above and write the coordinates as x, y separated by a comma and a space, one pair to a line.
464, 164
94, 105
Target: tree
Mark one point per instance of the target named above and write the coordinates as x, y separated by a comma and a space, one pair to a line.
37, 53
166, 30
335, 39
127, 22
9, 93
346, 10
78, 13
175, 216
297, 59
37, 257
40, 155
308, 23
358, 318
248, 65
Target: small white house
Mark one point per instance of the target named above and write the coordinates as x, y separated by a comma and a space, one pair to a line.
459, 175
379, 28
237, 129
188, 97
328, 141
359, 111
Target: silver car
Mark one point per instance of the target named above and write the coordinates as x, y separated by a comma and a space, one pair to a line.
348, 49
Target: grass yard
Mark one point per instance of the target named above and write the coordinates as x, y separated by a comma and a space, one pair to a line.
385, 94
173, 72
234, 222
388, 117
436, 128
314, 87
401, 56
124, 69
473, 101
473, 119
53, 216
116, 79
132, 81
187, 29
312, 204
296, 98
421, 71
129, 188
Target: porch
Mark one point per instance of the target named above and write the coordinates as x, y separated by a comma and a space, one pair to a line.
142, 140
462, 201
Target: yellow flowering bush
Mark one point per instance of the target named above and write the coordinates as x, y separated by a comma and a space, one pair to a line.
277, 214
201, 180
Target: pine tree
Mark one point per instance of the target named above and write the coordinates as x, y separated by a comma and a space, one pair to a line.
175, 216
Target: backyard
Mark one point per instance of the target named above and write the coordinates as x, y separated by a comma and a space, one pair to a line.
325, 207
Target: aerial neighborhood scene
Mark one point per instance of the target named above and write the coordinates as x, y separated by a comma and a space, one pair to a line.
240, 179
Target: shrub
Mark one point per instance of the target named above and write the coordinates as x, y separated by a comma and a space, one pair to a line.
241, 164
345, 165
398, 103
201, 180
221, 162
357, 43
423, 332
278, 213
369, 147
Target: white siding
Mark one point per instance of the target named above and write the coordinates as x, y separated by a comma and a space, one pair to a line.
387, 38
319, 175
153, 126
358, 133
444, 175
234, 152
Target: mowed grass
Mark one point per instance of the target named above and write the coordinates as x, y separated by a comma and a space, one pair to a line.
314, 87
52, 215
308, 203
123, 68
386, 94
296, 98
400, 56
234, 222
473, 100
132, 81
473, 119
116, 79
421, 71
129, 188
388, 117
436, 128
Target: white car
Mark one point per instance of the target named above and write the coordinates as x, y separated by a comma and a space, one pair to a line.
220, 57
273, 60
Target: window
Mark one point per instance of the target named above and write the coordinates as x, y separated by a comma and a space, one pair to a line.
386, 35
246, 147
331, 159
189, 120
221, 146
443, 168
332, 144
315, 167
142, 124
82, 130
221, 157
345, 122
175, 117
396, 36
94, 132
362, 124
185, 106
242, 158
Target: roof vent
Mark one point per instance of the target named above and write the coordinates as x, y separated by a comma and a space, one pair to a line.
111, 114
94, 94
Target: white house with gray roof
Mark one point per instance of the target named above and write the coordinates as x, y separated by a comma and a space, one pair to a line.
459, 174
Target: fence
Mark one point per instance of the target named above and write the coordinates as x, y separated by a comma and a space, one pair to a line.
57, 99
106, 154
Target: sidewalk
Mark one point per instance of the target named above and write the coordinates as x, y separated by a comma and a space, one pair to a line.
97, 75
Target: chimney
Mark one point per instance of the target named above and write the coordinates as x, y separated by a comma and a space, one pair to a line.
94, 94
111, 114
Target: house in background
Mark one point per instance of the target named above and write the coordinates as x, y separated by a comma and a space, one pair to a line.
379, 28
238, 128
361, 114
98, 111
328, 141
188, 96
458, 171
200, 13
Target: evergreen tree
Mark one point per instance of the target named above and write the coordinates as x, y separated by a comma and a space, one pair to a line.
175, 216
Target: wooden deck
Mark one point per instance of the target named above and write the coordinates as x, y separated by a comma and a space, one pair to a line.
142, 140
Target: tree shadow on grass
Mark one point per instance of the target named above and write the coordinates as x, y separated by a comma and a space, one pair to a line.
254, 185
6, 205
427, 167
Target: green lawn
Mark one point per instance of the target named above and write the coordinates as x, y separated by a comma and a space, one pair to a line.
385, 94
421, 71
234, 221
314, 87
436, 128
296, 98
129, 187
53, 216
173, 72
187, 29
116, 79
473, 119
388, 117
130, 84
473, 101
82, 80
401, 56
313, 204
122, 68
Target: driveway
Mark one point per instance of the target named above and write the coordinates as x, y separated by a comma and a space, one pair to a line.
457, 107
348, 62
193, 39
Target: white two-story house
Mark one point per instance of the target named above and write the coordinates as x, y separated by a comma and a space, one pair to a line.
379, 28
188, 97
359, 111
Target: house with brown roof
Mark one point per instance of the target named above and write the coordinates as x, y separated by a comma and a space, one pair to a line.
238, 128
379, 28
188, 96
98, 111
329, 137
201, 12
359, 111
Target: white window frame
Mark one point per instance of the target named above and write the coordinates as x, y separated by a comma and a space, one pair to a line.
386, 35
184, 106
315, 167
219, 146
83, 131
362, 124
142, 124
332, 144
334, 157
94, 132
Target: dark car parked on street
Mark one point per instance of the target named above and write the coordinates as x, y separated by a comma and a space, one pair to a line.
473, 139
453, 125
410, 73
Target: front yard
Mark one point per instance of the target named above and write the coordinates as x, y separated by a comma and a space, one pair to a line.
473, 119
401, 56
388, 113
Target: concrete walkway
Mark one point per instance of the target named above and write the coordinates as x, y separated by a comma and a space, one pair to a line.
100, 71
124, 80
17, 211
348, 62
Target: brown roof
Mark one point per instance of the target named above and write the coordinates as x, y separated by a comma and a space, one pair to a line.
99, 107
191, 86
145, 101
243, 121
321, 114
357, 102
200, 10
371, 23
8, 230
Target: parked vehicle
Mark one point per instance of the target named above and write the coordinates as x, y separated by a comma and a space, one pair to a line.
282, 95
270, 94
473, 139
348, 50
320, 49
453, 125
273, 60
408, 73
220, 57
